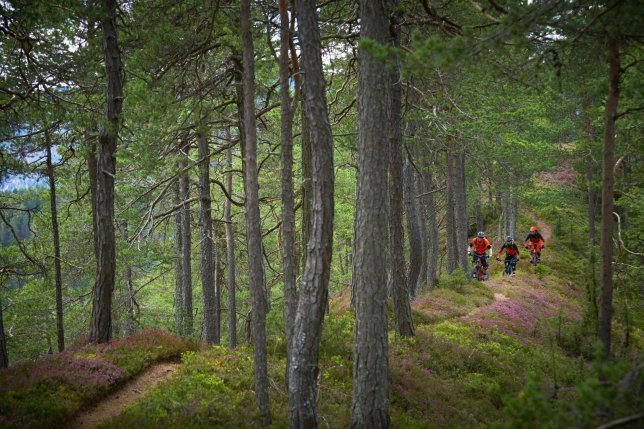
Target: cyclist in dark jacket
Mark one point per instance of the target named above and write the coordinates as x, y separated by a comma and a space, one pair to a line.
535, 240
511, 253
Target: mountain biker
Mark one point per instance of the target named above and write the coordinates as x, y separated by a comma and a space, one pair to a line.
480, 244
536, 241
511, 253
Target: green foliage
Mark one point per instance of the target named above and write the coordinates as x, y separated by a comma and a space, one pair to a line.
607, 392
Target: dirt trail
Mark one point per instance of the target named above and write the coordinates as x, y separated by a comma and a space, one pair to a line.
113, 404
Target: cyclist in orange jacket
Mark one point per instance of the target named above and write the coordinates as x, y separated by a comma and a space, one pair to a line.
511, 253
534, 240
480, 244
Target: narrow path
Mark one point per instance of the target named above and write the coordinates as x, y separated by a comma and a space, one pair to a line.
113, 404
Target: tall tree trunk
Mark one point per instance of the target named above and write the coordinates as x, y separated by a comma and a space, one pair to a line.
370, 400
219, 255
179, 306
460, 210
400, 292
608, 162
230, 256
127, 291
4, 356
101, 324
307, 173
432, 230
253, 221
288, 206
451, 241
186, 251
312, 302
206, 267
413, 228
478, 206
60, 330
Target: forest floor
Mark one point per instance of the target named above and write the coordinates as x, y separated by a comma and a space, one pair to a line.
113, 404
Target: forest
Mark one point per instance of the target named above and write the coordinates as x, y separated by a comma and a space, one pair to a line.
307, 214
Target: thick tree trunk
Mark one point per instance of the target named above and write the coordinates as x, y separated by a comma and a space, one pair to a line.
289, 259
312, 302
230, 256
4, 356
400, 292
253, 221
60, 330
101, 323
206, 267
413, 229
608, 162
186, 251
370, 400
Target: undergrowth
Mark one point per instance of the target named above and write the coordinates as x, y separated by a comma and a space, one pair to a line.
46, 392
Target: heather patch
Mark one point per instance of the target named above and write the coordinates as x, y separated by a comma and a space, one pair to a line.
45, 392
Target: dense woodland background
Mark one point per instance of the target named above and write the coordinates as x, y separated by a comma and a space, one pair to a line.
224, 172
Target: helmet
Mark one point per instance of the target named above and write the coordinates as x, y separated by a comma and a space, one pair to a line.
481, 234
508, 238
533, 229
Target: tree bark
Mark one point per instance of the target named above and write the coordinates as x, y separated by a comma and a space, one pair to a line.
60, 330
179, 316
307, 173
186, 251
450, 214
101, 323
432, 230
253, 222
312, 302
370, 400
413, 229
608, 161
288, 206
230, 256
400, 292
206, 267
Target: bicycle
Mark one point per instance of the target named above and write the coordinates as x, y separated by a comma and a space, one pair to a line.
508, 267
534, 255
478, 271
